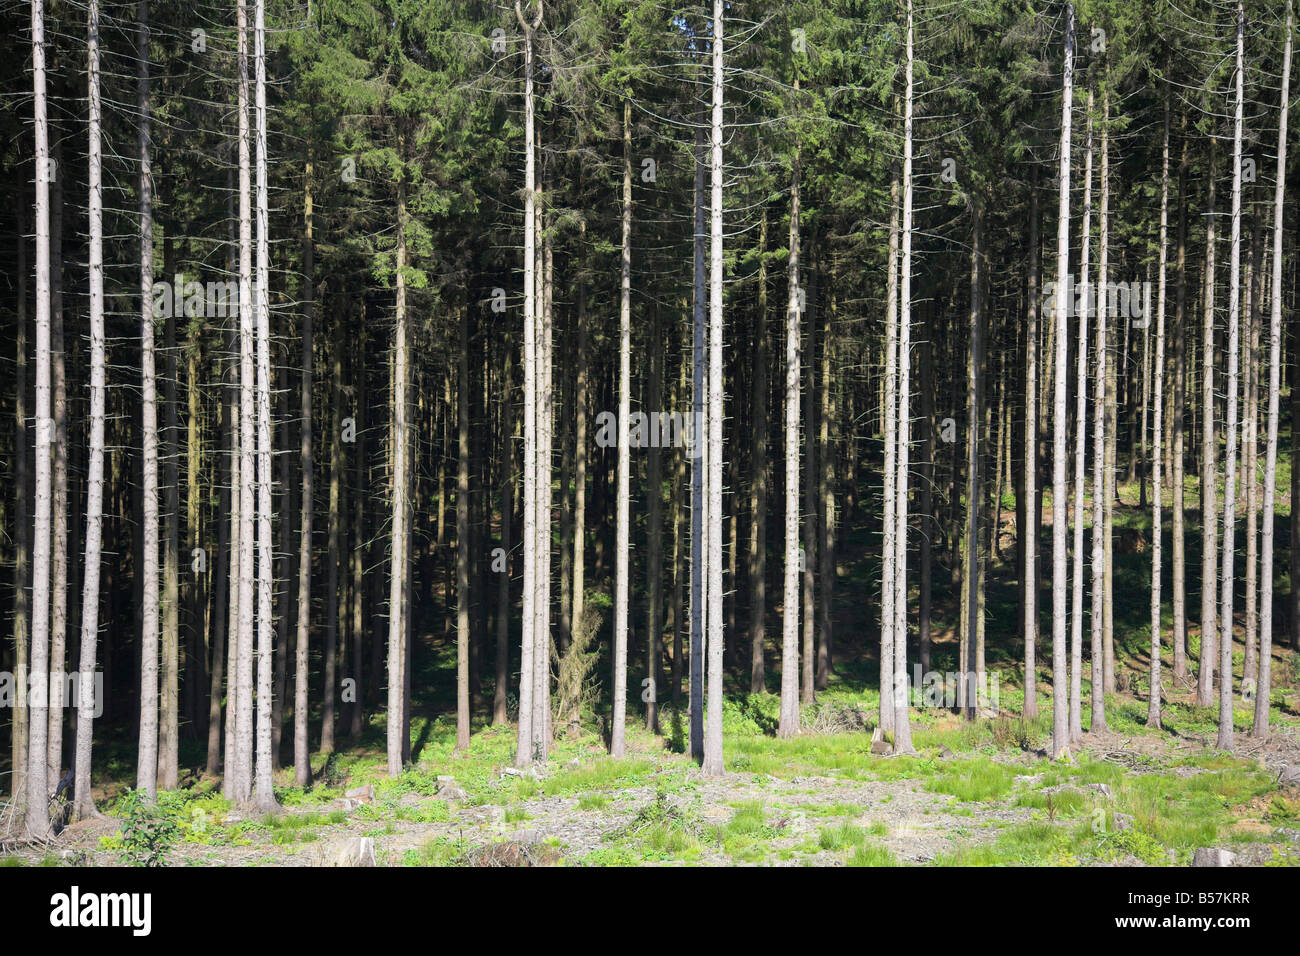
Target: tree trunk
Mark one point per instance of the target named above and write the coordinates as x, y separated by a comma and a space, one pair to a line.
462, 537
59, 383
788, 725
1262, 695
1060, 586
1156, 377
902, 724
1028, 526
889, 479
85, 805
147, 754
169, 711
621, 595
1081, 444
264, 796
756, 566
1230, 451
400, 472
1106, 417
713, 766
1178, 529
302, 646
699, 465
1205, 678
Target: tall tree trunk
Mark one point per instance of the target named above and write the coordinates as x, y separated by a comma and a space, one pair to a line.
580, 388
699, 466
1028, 526
59, 383
654, 522
499, 711
462, 538
263, 796
525, 751
971, 559
221, 619
808, 556
333, 561
169, 710
1060, 586
84, 804
1230, 452
1178, 528
1106, 413
1250, 453
889, 479
902, 723
1209, 604
713, 721
1260, 726
400, 472
302, 646
541, 724
621, 595
1156, 377
243, 766
1081, 443
825, 510
788, 725
147, 754
756, 567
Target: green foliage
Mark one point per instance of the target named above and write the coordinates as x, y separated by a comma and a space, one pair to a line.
149, 831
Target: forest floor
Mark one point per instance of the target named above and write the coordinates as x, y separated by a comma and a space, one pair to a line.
979, 793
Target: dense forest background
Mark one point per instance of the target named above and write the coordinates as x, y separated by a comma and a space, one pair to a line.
468, 338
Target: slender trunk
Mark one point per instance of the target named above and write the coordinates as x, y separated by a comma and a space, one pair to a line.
264, 796
1226, 616
713, 721
1209, 604
1081, 444
462, 537
974, 413
1156, 377
147, 753
59, 384
85, 805
621, 595
243, 766
1028, 527
654, 533
757, 565
1178, 525
1106, 414
1060, 586
525, 750
1250, 453
302, 646
699, 465
499, 711
169, 711
808, 562
825, 510
902, 724
400, 475
789, 719
1262, 695
1100, 593
889, 479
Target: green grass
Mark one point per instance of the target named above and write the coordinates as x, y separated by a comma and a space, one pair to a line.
974, 780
